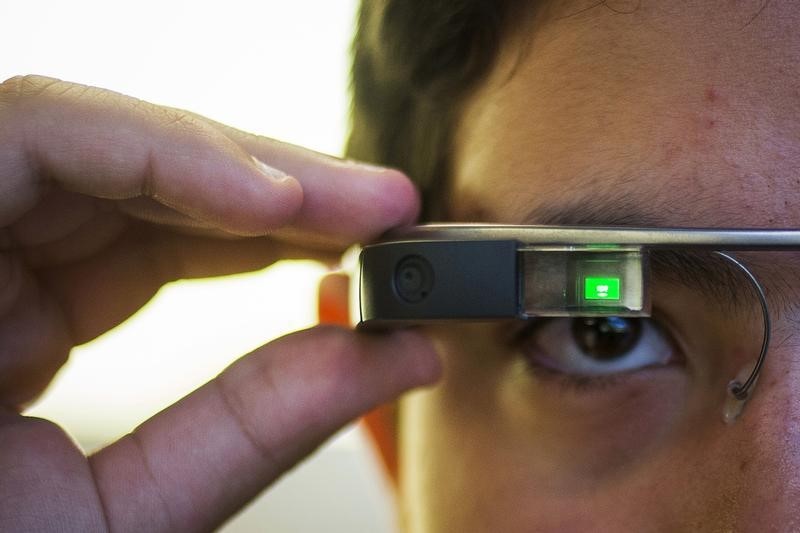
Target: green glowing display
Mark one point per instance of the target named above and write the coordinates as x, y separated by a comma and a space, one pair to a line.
601, 288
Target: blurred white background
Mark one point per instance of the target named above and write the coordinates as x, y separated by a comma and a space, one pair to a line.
273, 67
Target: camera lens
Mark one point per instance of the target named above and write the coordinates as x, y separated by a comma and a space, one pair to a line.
413, 278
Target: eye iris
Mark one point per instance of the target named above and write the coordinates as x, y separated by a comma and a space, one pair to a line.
606, 338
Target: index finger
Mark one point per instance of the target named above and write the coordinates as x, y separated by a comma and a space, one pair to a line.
108, 145
344, 200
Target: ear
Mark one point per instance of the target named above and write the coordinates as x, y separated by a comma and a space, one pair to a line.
381, 423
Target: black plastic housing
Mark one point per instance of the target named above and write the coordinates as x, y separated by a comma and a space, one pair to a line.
430, 280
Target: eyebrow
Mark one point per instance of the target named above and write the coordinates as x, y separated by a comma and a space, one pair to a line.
711, 274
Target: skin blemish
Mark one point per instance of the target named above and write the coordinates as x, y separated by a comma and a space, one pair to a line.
671, 151
696, 133
713, 96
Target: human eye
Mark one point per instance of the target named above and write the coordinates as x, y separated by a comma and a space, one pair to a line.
588, 349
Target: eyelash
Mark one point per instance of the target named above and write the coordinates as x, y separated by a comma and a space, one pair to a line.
582, 383
575, 383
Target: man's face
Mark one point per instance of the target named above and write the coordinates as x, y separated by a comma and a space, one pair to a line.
627, 113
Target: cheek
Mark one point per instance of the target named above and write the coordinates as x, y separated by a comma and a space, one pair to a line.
572, 440
487, 451
440, 482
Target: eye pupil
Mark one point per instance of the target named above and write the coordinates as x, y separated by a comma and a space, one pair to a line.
606, 338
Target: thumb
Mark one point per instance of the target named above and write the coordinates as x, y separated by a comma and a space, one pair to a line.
198, 462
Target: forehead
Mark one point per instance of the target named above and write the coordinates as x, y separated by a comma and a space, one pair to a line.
684, 116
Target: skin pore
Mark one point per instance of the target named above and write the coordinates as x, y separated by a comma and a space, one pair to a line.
623, 113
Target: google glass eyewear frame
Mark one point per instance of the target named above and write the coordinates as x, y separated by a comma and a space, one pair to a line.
482, 272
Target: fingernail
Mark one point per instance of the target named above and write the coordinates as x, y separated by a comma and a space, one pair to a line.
272, 173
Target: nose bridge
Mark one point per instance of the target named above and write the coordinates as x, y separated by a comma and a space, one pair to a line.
769, 457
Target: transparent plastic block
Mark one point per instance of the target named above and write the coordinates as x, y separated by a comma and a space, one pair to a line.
585, 281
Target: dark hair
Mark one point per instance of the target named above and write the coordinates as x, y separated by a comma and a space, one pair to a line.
413, 64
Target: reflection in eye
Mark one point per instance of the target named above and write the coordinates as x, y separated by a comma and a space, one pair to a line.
595, 346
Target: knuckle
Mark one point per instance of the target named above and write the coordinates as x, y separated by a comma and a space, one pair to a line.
37, 434
17, 89
178, 118
241, 414
301, 382
25, 96
183, 122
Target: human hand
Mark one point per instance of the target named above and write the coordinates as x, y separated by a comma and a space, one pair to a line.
103, 199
